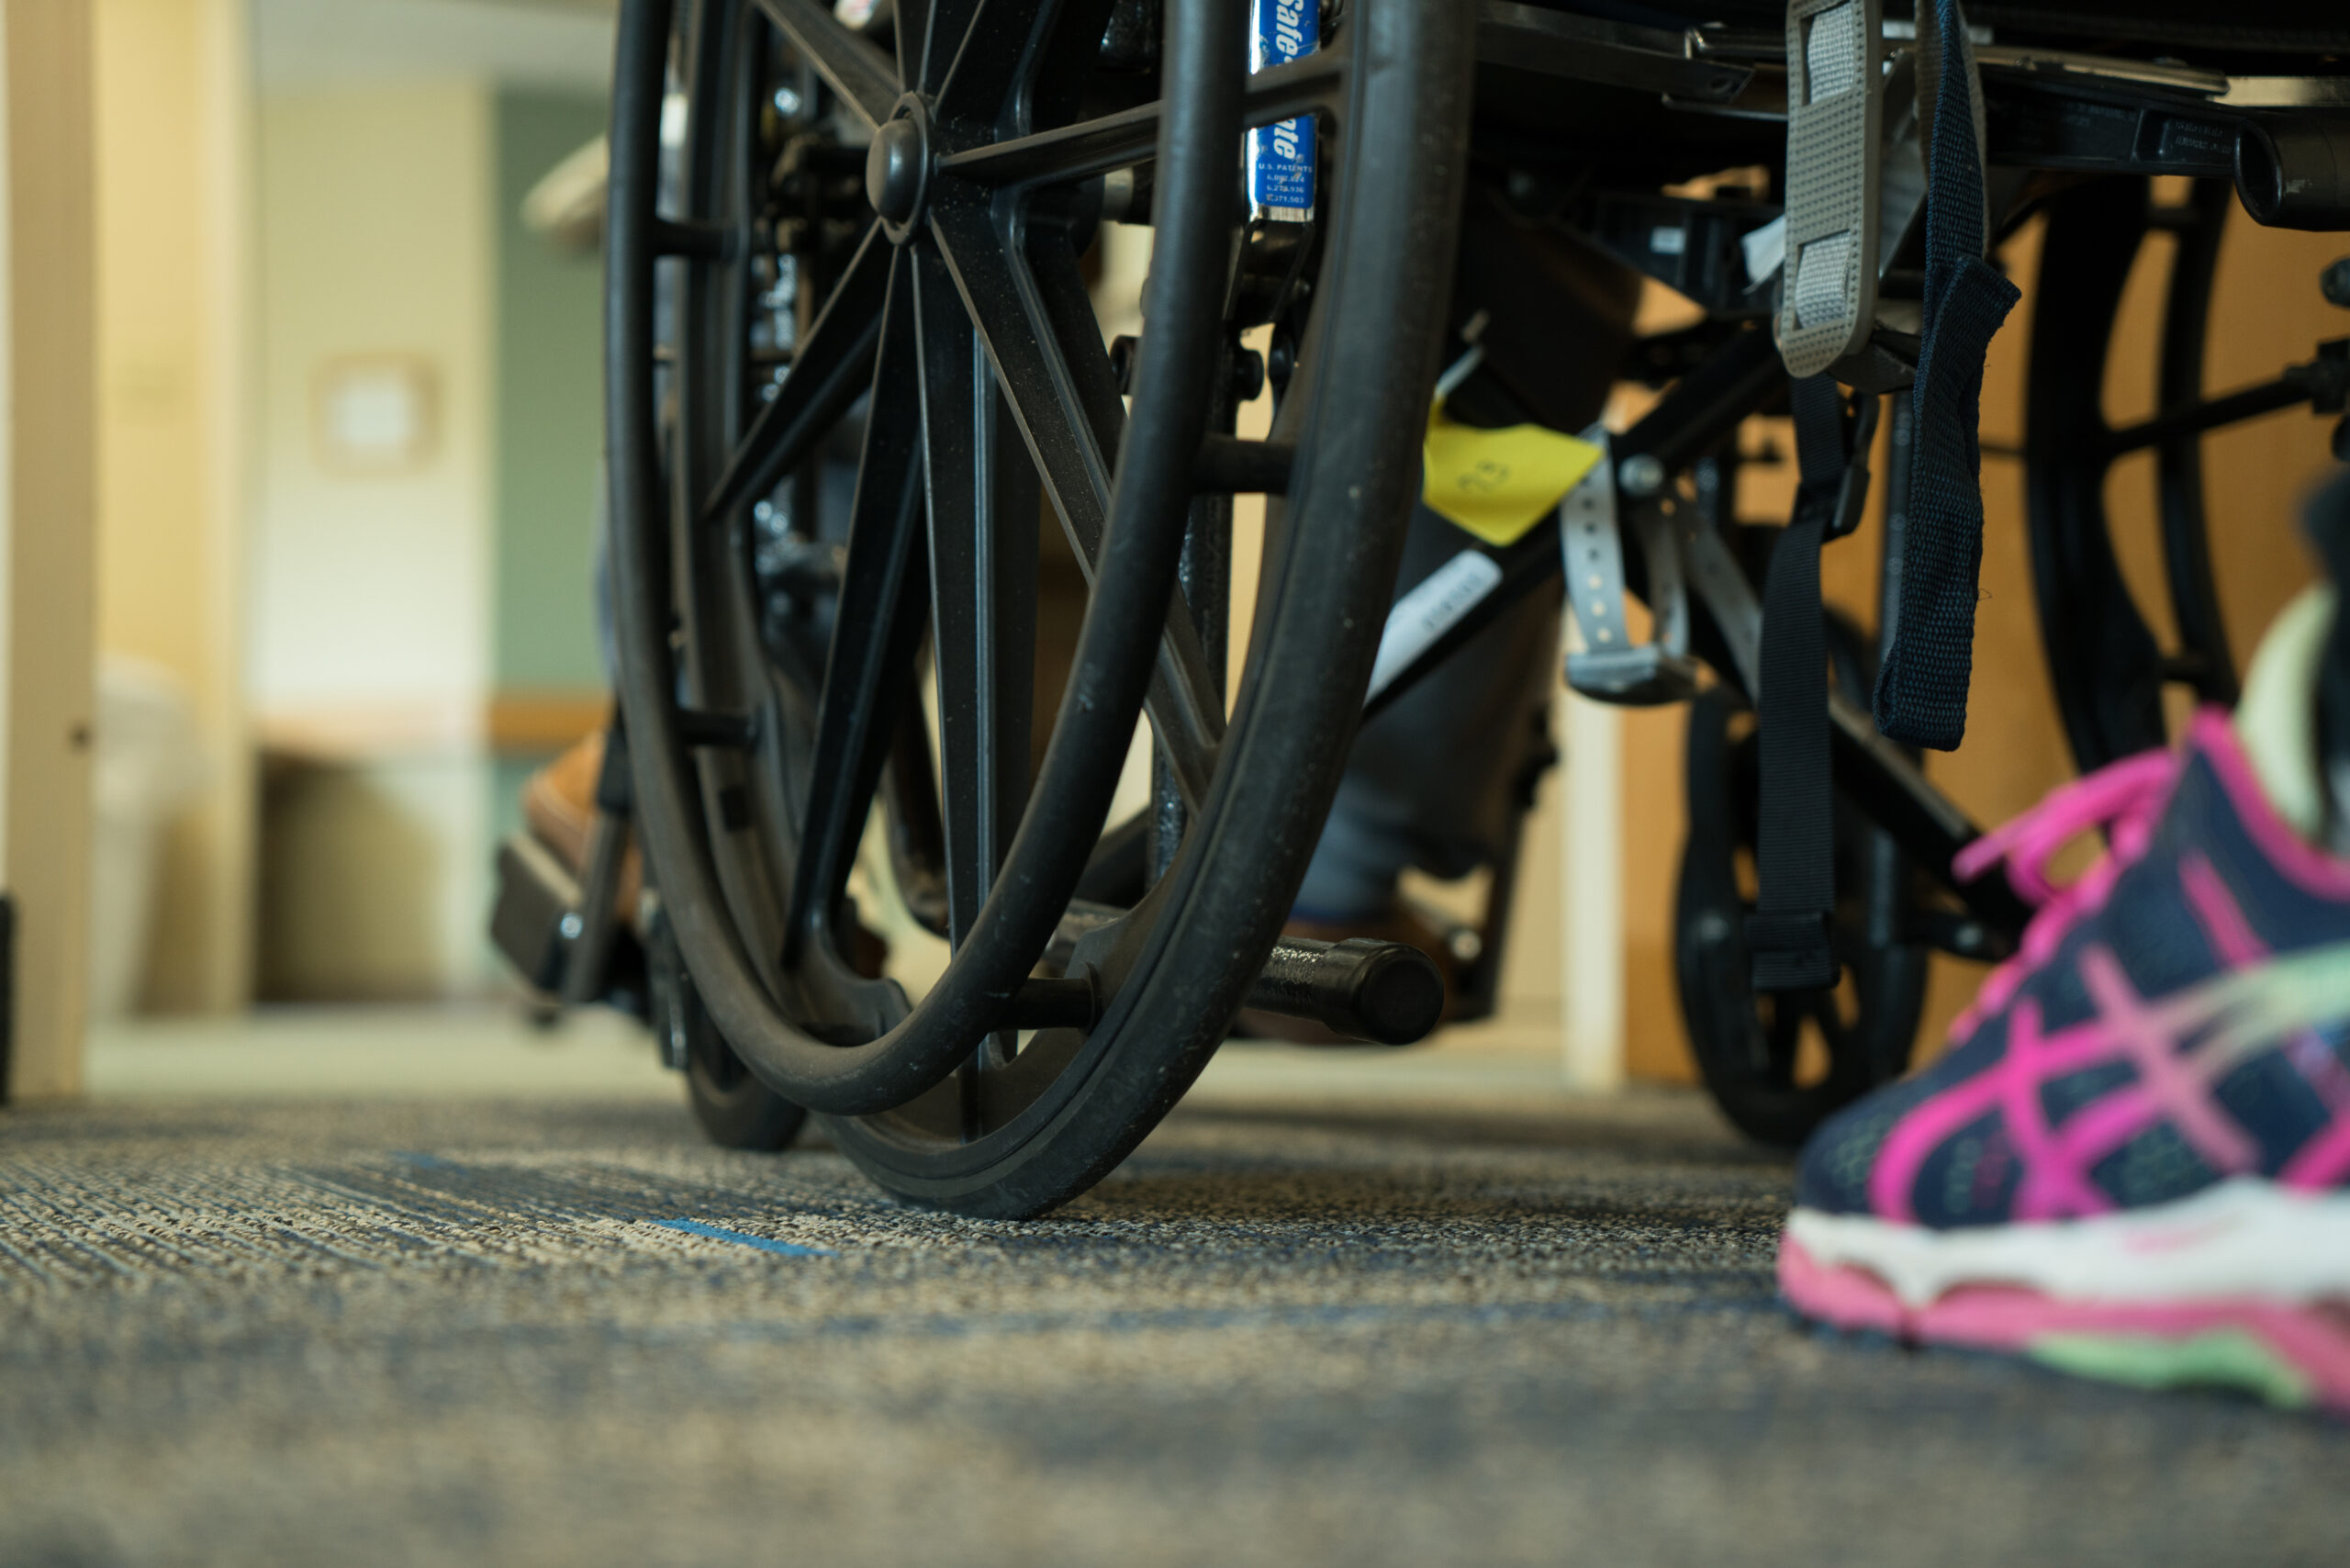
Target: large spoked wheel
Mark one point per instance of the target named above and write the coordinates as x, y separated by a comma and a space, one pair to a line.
873, 266
1779, 1064
2107, 666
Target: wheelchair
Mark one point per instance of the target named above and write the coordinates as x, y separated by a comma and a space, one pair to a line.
852, 356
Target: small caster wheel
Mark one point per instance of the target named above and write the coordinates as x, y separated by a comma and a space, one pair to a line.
735, 1110
1779, 1064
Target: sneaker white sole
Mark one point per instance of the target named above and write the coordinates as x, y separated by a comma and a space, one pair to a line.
2245, 1283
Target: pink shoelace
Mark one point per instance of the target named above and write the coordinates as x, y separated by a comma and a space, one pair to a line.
2126, 798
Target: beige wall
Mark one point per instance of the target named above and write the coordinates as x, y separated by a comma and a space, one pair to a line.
174, 214
370, 591
46, 505
369, 660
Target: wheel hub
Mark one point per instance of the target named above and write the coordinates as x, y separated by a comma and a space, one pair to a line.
896, 169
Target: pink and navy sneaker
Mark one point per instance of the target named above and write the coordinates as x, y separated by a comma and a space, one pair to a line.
2134, 1160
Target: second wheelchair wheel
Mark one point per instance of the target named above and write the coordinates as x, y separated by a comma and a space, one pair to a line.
1779, 1064
878, 249
2110, 657
733, 1109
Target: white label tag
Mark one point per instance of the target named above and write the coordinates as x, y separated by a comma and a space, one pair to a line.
1766, 250
1429, 610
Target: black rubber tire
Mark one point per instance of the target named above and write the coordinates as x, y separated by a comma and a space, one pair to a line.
1745, 1044
2106, 669
733, 1109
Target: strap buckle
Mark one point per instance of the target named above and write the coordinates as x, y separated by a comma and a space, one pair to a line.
1792, 949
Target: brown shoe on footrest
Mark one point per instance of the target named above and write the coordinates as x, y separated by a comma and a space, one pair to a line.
1397, 923
559, 809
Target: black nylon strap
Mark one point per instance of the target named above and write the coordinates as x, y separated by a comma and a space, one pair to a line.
1788, 935
1921, 688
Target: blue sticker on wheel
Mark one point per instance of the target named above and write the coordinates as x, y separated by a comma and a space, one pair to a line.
1281, 157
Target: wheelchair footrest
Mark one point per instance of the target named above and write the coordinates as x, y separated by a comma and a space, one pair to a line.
1636, 677
536, 896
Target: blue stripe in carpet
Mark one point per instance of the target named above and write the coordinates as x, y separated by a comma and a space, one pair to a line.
788, 1249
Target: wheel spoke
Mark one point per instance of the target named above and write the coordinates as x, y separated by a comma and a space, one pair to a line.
983, 501
917, 836
1067, 407
975, 46
858, 71
982, 497
832, 368
910, 32
2286, 390
1311, 82
877, 626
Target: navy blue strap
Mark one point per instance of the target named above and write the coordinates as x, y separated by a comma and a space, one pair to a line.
1790, 934
1921, 687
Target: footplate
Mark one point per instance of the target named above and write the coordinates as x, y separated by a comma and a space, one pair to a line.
535, 920
1610, 666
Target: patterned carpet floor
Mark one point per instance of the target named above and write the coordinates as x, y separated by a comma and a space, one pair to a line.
521, 1332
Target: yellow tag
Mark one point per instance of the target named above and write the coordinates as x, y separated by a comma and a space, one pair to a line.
1499, 484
